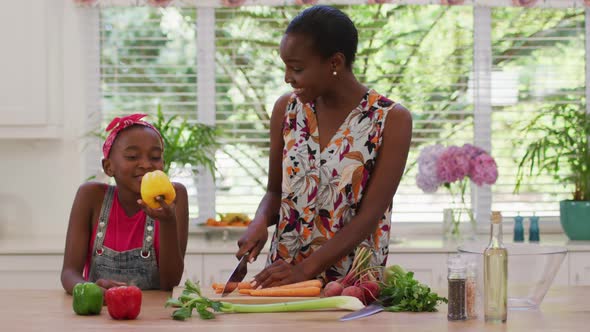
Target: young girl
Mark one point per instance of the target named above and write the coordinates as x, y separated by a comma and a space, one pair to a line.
338, 151
115, 239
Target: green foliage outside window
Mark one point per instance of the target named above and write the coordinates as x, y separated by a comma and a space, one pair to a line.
421, 56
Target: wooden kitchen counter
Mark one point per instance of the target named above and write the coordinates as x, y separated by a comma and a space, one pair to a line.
564, 309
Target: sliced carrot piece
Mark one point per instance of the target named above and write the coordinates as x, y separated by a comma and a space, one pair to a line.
245, 291
241, 285
302, 284
244, 285
295, 292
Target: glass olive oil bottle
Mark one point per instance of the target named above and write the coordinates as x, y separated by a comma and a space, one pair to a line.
495, 269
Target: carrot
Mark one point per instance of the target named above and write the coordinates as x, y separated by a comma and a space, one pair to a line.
244, 285
302, 284
295, 292
241, 285
245, 291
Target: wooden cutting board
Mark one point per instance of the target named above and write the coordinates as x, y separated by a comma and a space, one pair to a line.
235, 297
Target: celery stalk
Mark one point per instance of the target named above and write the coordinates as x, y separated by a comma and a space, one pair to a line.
334, 302
192, 299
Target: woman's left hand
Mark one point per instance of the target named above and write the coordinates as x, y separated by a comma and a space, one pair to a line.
279, 273
166, 213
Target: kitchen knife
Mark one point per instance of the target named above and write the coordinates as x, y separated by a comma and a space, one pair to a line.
364, 312
237, 276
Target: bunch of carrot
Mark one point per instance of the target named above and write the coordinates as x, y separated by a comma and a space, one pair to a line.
308, 288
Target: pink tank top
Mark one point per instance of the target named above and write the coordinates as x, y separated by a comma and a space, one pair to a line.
123, 232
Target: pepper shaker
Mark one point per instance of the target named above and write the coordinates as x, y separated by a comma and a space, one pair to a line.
457, 277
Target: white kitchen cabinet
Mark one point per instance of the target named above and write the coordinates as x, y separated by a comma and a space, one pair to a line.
193, 268
428, 268
25, 110
42, 271
579, 268
218, 267
30, 271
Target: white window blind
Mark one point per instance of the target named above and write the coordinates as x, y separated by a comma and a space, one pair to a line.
538, 62
148, 58
419, 55
249, 79
401, 48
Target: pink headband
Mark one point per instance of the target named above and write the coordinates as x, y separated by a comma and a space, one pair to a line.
119, 124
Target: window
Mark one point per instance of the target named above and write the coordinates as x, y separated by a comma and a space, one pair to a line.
419, 55
538, 59
395, 54
148, 60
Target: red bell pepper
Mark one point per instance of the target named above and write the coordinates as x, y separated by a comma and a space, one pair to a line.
123, 302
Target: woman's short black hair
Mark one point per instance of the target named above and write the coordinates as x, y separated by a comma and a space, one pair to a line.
332, 31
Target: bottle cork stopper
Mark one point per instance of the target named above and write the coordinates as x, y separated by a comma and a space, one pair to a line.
496, 217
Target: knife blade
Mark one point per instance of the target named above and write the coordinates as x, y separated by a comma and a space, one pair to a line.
237, 276
369, 310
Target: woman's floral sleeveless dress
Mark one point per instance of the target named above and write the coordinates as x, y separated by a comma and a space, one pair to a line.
321, 190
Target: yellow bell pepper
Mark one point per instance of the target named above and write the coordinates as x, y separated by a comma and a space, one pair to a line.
154, 184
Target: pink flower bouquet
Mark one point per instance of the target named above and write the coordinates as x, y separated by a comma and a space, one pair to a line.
439, 165
444, 166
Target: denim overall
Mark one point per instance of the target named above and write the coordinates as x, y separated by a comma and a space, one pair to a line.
136, 267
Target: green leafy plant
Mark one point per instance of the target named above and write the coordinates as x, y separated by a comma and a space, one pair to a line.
184, 142
562, 149
187, 143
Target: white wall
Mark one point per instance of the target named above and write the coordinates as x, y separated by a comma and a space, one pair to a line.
39, 176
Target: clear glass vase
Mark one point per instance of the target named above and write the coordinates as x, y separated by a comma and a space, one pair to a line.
459, 224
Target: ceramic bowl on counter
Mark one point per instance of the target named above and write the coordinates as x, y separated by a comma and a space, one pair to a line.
531, 270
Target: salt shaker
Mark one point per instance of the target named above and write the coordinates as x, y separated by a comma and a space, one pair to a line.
471, 298
457, 277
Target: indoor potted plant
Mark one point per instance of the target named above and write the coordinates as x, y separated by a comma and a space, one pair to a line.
185, 143
562, 151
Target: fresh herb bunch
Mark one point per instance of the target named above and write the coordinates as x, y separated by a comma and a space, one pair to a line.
191, 298
401, 292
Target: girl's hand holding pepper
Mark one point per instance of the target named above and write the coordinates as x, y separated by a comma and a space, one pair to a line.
166, 213
158, 197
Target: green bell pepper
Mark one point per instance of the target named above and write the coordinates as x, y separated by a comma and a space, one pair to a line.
87, 299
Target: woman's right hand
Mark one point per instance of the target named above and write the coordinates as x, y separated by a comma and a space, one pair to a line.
253, 239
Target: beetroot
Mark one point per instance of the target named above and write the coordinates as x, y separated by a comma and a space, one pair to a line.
370, 291
363, 276
353, 291
333, 288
